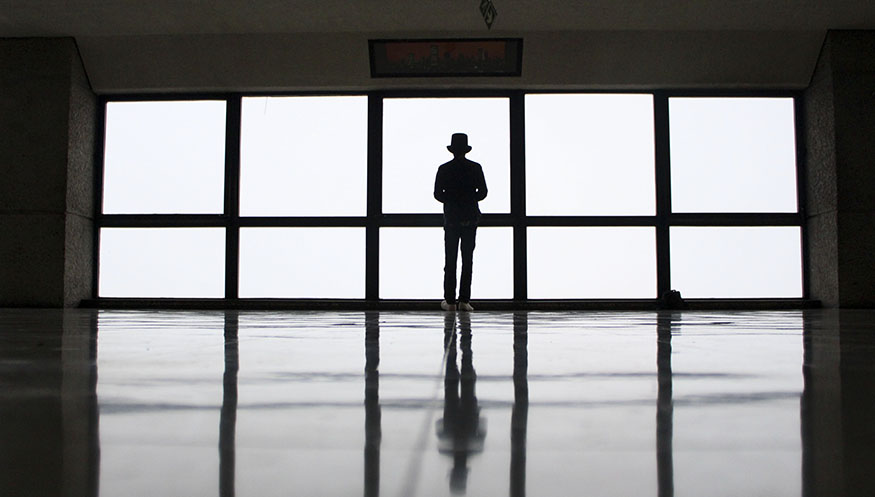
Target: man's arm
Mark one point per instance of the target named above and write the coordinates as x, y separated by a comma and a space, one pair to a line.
440, 193
480, 183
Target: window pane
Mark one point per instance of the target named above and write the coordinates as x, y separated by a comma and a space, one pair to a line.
412, 263
164, 157
732, 155
416, 132
589, 155
302, 262
304, 156
162, 262
591, 262
736, 262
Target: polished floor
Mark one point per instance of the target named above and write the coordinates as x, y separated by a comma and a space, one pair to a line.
174, 403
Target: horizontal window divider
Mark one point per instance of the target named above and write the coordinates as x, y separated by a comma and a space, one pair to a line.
497, 220
591, 221
736, 219
168, 97
481, 93
162, 220
411, 220
437, 220
303, 222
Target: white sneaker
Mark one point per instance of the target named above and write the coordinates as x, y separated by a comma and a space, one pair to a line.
447, 306
465, 306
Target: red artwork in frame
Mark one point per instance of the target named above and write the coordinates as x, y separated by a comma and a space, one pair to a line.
446, 57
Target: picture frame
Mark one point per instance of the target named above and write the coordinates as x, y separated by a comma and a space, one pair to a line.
462, 57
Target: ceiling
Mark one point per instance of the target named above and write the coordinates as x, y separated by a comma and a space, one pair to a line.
82, 18
130, 46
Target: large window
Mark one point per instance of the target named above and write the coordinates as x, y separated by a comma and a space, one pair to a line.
302, 262
164, 157
737, 262
732, 155
589, 155
303, 156
591, 262
591, 196
416, 132
412, 263
162, 262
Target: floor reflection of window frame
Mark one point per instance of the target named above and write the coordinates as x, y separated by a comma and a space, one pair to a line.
452, 381
519, 417
373, 410
664, 405
228, 416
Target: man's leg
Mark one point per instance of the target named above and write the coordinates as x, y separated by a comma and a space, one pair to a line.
468, 236
451, 250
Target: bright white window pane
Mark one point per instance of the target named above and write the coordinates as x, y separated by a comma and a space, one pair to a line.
590, 155
304, 156
493, 264
732, 155
162, 262
164, 157
416, 132
591, 262
302, 262
733, 262
412, 263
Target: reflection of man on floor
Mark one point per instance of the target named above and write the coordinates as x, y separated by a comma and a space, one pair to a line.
459, 185
460, 432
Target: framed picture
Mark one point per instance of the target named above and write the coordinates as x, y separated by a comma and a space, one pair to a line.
446, 57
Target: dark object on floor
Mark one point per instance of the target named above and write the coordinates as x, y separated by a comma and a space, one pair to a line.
672, 300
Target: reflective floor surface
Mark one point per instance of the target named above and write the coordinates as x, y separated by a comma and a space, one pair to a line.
174, 403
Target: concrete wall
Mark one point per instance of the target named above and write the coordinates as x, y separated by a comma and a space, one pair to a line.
840, 165
551, 60
47, 121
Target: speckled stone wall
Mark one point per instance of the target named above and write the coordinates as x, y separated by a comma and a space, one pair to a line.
840, 165
47, 124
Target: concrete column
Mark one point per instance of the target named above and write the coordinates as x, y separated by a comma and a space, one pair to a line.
840, 164
47, 128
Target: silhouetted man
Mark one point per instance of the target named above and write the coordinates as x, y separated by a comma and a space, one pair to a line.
459, 185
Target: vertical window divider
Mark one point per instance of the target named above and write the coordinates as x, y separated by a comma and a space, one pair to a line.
233, 118
97, 208
518, 195
374, 196
802, 187
662, 159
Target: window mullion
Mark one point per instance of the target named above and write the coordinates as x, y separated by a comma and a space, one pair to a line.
662, 161
232, 196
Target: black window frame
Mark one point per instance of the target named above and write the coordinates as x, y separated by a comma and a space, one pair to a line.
517, 219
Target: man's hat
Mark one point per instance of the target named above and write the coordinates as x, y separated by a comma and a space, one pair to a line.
459, 143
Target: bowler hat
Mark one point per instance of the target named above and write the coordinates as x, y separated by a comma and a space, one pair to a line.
459, 143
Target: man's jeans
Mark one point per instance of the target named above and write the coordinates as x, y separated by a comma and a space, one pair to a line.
452, 236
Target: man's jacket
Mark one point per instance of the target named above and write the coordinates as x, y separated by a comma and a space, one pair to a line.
459, 185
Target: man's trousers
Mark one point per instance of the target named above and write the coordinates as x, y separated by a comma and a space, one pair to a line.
453, 237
